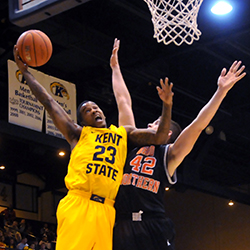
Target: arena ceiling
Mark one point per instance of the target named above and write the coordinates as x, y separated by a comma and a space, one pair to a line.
82, 40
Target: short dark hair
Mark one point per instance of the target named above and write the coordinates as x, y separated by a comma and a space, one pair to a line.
78, 113
176, 130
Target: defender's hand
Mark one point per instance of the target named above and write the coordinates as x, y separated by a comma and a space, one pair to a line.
165, 91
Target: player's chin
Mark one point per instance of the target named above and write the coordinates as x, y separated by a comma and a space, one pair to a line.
154, 129
101, 123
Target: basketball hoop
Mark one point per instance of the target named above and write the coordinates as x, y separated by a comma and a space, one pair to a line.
175, 21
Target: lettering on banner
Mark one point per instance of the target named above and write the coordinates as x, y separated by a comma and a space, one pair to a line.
25, 104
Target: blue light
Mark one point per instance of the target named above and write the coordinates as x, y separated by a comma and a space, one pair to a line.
221, 8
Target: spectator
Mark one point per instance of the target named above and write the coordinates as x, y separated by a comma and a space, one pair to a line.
22, 244
13, 228
51, 234
2, 245
32, 246
2, 239
45, 241
44, 230
18, 237
37, 247
22, 226
12, 244
8, 236
9, 215
1, 234
43, 246
52, 237
28, 229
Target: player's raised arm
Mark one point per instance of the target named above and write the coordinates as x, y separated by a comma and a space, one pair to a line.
186, 140
60, 118
144, 137
122, 96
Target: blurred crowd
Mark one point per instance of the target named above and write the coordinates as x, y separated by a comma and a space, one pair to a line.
17, 233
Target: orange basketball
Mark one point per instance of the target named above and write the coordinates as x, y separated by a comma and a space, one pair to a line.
35, 48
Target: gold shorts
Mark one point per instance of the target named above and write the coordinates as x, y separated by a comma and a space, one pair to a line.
84, 223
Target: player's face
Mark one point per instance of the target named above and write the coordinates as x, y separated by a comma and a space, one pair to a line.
92, 115
154, 125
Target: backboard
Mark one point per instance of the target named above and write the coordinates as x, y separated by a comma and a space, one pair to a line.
26, 12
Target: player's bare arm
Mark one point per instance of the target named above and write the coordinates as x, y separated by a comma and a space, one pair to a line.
122, 96
186, 140
165, 92
143, 137
60, 118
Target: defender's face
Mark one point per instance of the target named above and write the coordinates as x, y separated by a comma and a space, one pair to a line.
92, 115
154, 125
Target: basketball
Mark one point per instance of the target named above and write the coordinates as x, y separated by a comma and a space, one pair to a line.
35, 48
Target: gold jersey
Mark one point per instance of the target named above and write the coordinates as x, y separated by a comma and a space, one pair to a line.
97, 161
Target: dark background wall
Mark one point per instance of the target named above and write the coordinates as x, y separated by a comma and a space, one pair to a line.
206, 222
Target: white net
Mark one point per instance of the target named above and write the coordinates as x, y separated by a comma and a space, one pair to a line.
175, 20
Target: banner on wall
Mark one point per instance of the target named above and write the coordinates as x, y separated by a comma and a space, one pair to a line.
65, 94
5, 194
24, 108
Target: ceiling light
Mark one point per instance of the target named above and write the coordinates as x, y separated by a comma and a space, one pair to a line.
221, 8
209, 130
61, 153
230, 203
222, 136
2, 167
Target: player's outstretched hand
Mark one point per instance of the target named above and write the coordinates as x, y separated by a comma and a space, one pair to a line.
227, 80
114, 57
165, 91
20, 64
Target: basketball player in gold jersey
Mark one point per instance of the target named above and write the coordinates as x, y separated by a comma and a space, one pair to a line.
86, 215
